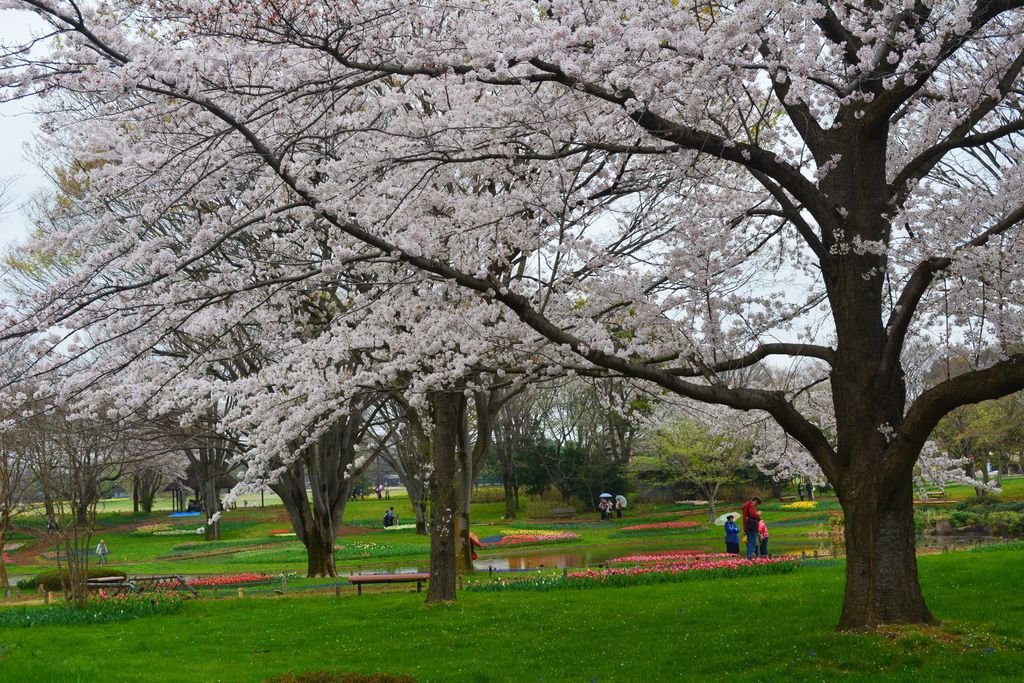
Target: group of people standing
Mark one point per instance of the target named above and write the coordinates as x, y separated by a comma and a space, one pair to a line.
753, 526
607, 506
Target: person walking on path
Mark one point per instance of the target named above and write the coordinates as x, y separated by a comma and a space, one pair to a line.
750, 519
732, 536
762, 536
101, 552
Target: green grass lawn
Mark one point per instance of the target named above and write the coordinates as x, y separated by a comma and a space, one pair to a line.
701, 629
696, 630
1012, 489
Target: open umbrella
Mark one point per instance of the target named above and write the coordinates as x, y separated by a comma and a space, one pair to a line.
605, 495
621, 499
720, 520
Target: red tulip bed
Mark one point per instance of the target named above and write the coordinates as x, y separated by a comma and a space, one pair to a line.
282, 532
230, 580
665, 556
660, 568
661, 525
527, 537
7, 559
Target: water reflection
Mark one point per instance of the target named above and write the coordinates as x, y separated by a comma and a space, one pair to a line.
592, 557
595, 556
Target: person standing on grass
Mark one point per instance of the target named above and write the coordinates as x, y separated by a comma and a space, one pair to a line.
762, 536
732, 536
101, 552
750, 519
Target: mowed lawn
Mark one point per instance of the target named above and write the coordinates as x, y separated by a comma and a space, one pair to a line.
768, 628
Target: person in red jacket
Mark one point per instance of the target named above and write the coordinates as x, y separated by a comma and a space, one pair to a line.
751, 517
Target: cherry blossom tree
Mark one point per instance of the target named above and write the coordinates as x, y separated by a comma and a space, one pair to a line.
670, 193
937, 469
703, 448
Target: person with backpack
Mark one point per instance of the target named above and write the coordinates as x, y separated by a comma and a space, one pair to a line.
750, 519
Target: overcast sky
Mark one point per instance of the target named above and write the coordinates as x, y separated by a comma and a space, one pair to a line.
16, 128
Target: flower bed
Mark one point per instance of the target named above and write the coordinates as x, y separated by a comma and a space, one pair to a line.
800, 505
294, 552
665, 556
399, 527
167, 530
102, 610
282, 532
661, 525
531, 537
230, 580
7, 558
182, 532
355, 549
699, 566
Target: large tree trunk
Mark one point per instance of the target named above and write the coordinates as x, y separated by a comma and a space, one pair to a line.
471, 459
511, 496
447, 411
871, 472
146, 486
313, 530
466, 476
4, 580
882, 585
209, 476
419, 508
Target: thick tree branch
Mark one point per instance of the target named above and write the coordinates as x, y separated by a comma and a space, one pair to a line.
1005, 377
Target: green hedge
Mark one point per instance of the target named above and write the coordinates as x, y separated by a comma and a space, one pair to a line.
51, 581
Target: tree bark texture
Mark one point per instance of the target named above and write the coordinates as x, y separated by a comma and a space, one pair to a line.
882, 585
446, 409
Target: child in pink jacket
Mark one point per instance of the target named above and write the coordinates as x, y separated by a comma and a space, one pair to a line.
762, 535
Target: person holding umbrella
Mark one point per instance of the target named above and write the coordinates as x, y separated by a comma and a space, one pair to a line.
620, 505
732, 536
605, 506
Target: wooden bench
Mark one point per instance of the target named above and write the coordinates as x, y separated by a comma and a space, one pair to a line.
563, 513
162, 582
111, 585
935, 494
359, 579
787, 499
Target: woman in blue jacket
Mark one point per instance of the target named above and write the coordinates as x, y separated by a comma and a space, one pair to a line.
732, 536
